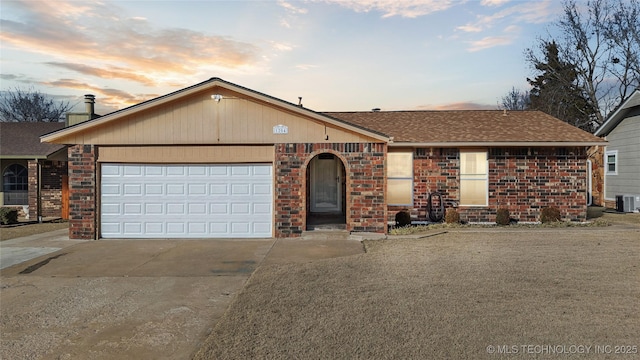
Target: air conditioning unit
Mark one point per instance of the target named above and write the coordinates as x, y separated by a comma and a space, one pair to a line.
631, 203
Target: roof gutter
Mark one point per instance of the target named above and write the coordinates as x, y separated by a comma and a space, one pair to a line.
497, 144
27, 157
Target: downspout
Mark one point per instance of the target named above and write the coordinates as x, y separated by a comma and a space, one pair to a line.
38, 192
589, 183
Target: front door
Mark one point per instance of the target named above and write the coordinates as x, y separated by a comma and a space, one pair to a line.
325, 183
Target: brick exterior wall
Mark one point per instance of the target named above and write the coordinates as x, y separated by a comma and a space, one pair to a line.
32, 171
523, 181
365, 185
82, 192
50, 188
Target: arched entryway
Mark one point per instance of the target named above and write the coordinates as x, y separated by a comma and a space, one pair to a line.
326, 192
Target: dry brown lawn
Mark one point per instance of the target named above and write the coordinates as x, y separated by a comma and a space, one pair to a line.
457, 295
7, 233
622, 218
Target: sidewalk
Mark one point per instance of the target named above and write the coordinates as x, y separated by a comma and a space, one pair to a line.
16, 251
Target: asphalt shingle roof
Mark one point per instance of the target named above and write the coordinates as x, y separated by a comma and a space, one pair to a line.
460, 126
23, 138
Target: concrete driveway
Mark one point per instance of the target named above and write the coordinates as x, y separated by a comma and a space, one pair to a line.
131, 299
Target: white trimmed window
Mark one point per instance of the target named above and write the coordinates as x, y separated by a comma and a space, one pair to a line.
474, 178
611, 160
400, 178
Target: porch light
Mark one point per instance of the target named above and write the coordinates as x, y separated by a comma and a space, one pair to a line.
216, 97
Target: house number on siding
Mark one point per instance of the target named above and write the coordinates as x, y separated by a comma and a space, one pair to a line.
281, 129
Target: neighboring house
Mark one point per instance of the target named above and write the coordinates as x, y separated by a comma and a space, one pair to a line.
220, 160
622, 156
33, 173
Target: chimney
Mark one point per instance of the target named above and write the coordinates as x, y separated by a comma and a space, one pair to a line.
89, 102
89, 114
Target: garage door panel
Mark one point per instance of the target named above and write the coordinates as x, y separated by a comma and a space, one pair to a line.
132, 170
153, 209
165, 201
197, 189
132, 189
198, 228
150, 170
175, 208
175, 189
197, 209
153, 189
197, 170
176, 228
261, 208
219, 229
111, 189
111, 209
133, 228
240, 171
132, 209
175, 171
261, 227
154, 228
111, 228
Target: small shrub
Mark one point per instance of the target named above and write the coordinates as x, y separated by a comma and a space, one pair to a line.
452, 216
550, 214
8, 216
503, 217
403, 218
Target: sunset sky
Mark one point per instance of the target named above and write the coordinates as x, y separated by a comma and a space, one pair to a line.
337, 55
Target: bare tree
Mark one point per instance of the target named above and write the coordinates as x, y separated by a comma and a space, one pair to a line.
599, 39
20, 105
623, 34
515, 100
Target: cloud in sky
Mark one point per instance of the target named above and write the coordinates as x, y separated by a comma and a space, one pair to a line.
493, 2
292, 8
110, 99
489, 42
112, 72
521, 12
390, 8
76, 32
144, 47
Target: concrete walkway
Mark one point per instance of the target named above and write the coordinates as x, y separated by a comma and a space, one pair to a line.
19, 250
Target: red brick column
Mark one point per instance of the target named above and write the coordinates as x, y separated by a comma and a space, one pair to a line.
32, 170
82, 192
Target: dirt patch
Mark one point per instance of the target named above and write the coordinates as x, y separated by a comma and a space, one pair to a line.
460, 295
13, 232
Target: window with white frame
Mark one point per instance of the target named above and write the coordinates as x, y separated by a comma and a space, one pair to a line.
474, 178
400, 178
611, 159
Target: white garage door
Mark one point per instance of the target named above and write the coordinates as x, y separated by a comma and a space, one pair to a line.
186, 201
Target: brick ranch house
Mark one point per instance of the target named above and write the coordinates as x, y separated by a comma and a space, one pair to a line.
220, 160
34, 174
